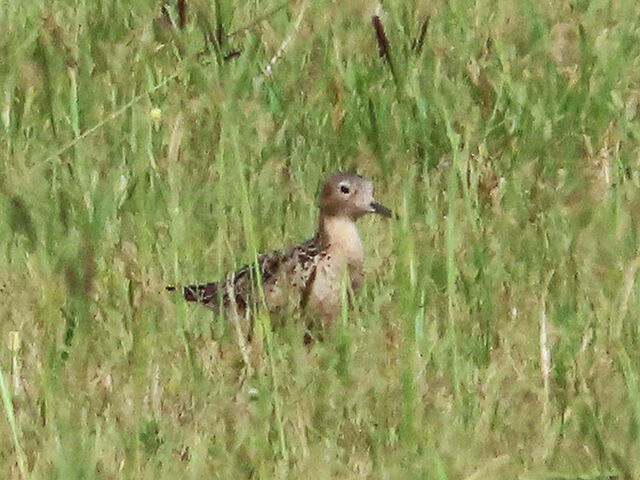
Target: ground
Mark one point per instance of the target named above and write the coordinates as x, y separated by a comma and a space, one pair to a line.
497, 334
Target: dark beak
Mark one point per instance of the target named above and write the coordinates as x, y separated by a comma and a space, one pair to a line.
381, 209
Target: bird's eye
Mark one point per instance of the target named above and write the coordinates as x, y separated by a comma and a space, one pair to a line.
344, 189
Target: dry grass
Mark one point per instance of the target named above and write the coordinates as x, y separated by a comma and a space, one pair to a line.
508, 143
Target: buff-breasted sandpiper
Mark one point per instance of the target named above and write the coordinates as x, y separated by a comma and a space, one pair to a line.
308, 276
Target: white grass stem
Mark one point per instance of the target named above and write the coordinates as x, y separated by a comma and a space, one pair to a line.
8, 407
545, 349
267, 71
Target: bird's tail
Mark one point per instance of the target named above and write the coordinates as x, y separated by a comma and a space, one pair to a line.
206, 293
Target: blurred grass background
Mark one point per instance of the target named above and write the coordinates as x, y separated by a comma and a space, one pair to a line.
497, 335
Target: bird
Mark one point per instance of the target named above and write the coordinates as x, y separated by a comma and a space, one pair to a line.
308, 276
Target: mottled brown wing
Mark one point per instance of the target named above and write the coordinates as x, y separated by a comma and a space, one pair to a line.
296, 264
237, 287
301, 268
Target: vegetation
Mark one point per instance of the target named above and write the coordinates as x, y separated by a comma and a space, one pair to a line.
497, 335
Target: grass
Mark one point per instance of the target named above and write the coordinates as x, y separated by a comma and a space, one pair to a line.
497, 334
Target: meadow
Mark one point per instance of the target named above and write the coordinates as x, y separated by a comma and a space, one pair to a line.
497, 334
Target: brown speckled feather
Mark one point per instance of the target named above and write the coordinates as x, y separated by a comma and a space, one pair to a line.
293, 267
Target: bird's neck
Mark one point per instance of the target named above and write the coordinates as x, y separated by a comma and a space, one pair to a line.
340, 235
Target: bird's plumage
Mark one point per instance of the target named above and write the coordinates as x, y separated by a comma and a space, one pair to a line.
239, 288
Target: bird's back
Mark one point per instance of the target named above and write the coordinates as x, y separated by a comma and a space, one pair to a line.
284, 275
